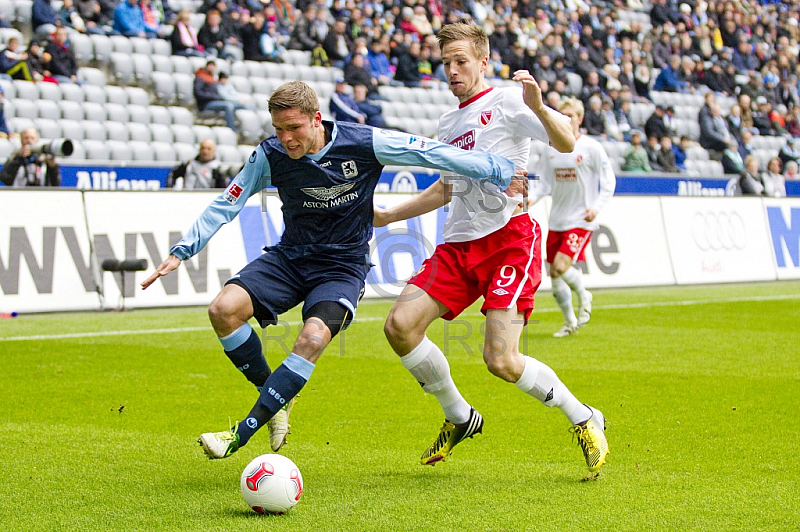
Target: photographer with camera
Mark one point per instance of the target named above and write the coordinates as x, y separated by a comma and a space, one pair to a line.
34, 164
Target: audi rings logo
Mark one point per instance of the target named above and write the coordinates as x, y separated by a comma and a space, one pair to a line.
716, 231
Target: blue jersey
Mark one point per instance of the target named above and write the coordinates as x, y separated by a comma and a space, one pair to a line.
327, 196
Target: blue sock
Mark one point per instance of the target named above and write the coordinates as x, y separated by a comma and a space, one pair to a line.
243, 347
285, 382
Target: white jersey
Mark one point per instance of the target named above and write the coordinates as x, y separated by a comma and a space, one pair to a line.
577, 181
497, 121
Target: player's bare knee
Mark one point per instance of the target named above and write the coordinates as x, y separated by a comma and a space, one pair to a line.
221, 312
312, 339
398, 325
501, 366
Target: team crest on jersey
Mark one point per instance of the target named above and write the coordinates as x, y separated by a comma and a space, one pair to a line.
232, 194
349, 169
465, 141
578, 159
486, 117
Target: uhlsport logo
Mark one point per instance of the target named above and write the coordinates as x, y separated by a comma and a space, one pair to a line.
252, 422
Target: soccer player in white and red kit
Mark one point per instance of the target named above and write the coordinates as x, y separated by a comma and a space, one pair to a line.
492, 250
581, 183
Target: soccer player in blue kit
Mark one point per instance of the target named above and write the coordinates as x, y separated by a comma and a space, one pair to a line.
325, 174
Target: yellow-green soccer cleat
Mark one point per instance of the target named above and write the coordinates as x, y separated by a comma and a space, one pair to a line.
451, 435
279, 426
592, 439
220, 444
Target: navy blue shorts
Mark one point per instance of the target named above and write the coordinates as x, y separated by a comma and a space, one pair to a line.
277, 284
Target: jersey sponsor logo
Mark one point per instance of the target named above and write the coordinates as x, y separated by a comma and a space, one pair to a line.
325, 164
569, 175
486, 118
349, 169
465, 141
329, 196
232, 194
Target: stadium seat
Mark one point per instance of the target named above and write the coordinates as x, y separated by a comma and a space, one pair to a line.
117, 131
141, 46
161, 133
82, 47
184, 151
99, 151
160, 115
117, 112
161, 63
17, 125
139, 132
183, 133
181, 65
94, 130
142, 151
697, 153
250, 125
78, 151
121, 44
71, 110
49, 91
93, 93
92, 76
229, 154
256, 69
246, 150
23, 11
119, 151
225, 136
48, 109
137, 96
7, 12
239, 68
25, 109
72, 92
72, 129
26, 89
48, 128
122, 68
161, 47
139, 114
142, 70
181, 115
163, 152
164, 87
96, 111
101, 44
203, 132
8, 88
241, 84
184, 89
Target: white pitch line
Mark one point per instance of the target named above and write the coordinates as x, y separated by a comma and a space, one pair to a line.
380, 318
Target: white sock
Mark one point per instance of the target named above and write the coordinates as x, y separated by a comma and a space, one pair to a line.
563, 296
428, 365
574, 279
541, 382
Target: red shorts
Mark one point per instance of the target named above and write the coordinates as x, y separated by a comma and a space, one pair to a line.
504, 267
571, 243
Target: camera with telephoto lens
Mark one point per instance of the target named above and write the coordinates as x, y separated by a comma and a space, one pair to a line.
54, 147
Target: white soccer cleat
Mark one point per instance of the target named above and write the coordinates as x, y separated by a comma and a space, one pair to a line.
279, 426
585, 309
218, 445
566, 330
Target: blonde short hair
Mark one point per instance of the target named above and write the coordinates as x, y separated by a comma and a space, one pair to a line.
470, 32
294, 95
572, 103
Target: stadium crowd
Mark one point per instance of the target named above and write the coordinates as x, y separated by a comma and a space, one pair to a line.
612, 54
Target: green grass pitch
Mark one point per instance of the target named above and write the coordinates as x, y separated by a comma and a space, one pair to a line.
700, 386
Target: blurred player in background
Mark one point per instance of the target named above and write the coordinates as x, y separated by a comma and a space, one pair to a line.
325, 174
492, 250
581, 183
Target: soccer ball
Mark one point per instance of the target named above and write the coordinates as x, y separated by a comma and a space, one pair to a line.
271, 484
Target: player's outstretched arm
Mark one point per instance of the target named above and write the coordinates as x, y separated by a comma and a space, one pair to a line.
433, 197
558, 130
171, 263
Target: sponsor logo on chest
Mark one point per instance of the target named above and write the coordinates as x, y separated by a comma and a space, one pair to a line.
465, 141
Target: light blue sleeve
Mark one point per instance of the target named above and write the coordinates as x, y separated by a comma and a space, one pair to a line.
253, 177
392, 147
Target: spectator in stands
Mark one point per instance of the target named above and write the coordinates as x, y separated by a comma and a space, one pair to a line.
184, 37
229, 93
369, 108
59, 59
28, 169
14, 63
206, 93
379, 66
4, 133
636, 159
251, 38
745, 104
655, 127
591, 87
773, 180
301, 38
793, 121
666, 156
668, 79
680, 151
662, 51
790, 151
515, 57
732, 162
129, 20
98, 16
337, 44
217, 39
69, 16
270, 42
790, 171
153, 19
745, 142
201, 172
776, 117
594, 123
750, 180
343, 107
613, 131
408, 67
356, 73
734, 121
761, 117
624, 121
653, 147
43, 18
717, 80
714, 135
